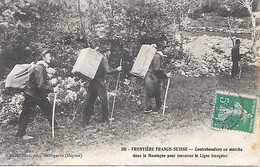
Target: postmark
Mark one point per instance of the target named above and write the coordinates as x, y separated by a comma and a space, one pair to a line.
235, 111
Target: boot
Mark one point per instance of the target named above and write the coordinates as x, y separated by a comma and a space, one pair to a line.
20, 133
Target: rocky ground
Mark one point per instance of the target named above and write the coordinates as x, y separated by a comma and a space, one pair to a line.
211, 55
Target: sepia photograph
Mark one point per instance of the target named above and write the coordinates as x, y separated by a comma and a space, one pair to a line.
129, 82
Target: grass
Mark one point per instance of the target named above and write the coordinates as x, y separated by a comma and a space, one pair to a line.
190, 101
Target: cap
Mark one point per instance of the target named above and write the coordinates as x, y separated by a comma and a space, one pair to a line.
237, 41
104, 48
43, 53
162, 46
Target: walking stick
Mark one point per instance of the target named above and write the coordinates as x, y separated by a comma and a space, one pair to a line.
166, 92
114, 100
53, 113
240, 70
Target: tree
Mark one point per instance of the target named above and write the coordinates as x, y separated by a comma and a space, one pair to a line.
249, 5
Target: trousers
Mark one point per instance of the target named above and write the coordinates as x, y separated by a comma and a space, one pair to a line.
29, 106
148, 102
158, 87
234, 68
96, 88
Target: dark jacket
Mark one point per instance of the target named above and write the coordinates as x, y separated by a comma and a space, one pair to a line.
157, 68
154, 77
38, 86
104, 69
235, 54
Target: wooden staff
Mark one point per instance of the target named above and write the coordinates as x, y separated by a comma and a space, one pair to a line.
53, 113
166, 92
240, 70
114, 100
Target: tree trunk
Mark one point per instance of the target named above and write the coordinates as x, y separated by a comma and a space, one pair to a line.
81, 22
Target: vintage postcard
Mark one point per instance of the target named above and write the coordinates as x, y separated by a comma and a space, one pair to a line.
123, 82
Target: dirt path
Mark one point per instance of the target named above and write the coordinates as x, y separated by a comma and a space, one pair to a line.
185, 124
220, 34
191, 138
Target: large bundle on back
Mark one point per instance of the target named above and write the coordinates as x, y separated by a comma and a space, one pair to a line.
18, 78
87, 63
143, 60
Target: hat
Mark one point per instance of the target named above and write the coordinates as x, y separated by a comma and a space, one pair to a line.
43, 53
237, 41
162, 46
104, 48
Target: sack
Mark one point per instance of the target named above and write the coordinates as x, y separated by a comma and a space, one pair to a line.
143, 60
18, 78
87, 63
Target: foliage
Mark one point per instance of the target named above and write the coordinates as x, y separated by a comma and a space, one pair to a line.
28, 26
232, 8
66, 26
210, 6
223, 8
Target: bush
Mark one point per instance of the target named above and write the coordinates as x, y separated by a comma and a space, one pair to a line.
232, 9
226, 8
210, 6
196, 13
224, 11
240, 12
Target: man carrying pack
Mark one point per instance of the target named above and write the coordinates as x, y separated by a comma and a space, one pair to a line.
97, 87
35, 94
154, 80
235, 58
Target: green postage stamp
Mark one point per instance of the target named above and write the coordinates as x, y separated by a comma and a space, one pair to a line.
235, 112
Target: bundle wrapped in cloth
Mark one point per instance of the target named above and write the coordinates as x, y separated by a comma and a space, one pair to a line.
18, 78
143, 60
87, 63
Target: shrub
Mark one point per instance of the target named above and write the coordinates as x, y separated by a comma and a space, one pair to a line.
210, 6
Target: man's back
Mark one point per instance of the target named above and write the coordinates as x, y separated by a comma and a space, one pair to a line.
235, 53
104, 69
100, 74
38, 86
